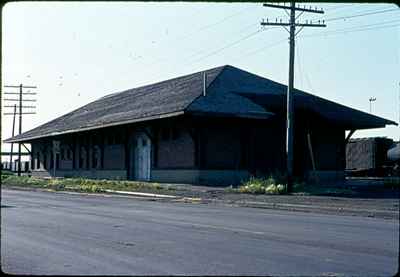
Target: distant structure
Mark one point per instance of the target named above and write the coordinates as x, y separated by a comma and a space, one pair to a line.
369, 157
220, 125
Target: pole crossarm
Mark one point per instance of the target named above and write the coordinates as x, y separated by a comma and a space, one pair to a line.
296, 8
24, 93
19, 113
288, 24
12, 106
13, 86
23, 100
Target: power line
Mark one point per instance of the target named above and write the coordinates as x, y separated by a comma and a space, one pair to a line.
338, 7
362, 14
262, 48
227, 46
215, 23
180, 38
163, 60
365, 27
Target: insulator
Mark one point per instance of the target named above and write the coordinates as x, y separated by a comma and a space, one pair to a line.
323, 21
276, 20
280, 20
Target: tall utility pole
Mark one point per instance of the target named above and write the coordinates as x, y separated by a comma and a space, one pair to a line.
289, 101
13, 134
20, 100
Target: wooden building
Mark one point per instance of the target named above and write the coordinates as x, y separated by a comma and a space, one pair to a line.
216, 126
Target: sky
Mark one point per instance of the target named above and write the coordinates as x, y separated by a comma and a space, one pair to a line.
77, 52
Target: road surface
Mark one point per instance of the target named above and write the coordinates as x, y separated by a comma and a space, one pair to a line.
61, 234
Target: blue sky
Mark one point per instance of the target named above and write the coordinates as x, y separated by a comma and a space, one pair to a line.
80, 51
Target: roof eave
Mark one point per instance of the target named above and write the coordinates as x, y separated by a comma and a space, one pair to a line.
27, 139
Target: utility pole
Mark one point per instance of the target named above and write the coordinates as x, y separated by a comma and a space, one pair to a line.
13, 134
289, 97
372, 99
20, 100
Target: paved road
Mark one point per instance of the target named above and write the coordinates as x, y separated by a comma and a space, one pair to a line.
54, 233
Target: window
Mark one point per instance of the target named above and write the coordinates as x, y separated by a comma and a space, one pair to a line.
63, 154
144, 142
69, 154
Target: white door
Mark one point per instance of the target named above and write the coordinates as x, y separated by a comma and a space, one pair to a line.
142, 154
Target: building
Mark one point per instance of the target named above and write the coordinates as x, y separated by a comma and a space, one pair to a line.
216, 126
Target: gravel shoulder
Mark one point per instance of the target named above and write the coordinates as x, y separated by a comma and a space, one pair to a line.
367, 203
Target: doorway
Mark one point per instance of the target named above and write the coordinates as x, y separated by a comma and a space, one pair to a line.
141, 157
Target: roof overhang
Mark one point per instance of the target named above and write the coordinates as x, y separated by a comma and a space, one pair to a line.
89, 128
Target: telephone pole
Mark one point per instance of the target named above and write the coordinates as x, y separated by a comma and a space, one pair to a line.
20, 101
289, 97
13, 134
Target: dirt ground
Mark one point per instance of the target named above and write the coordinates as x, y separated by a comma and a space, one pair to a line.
366, 201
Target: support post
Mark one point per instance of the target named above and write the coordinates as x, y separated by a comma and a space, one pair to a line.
289, 102
20, 129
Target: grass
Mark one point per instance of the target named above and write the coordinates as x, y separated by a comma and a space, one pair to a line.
262, 186
276, 185
80, 184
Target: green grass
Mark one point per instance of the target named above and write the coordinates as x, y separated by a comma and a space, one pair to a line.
262, 186
277, 185
80, 184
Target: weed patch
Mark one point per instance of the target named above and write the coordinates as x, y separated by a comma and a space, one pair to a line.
262, 186
79, 184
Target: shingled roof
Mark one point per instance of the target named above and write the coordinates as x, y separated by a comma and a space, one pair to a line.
229, 92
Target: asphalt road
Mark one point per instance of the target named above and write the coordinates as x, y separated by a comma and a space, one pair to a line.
53, 233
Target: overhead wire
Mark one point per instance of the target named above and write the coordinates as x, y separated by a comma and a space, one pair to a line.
299, 70
361, 14
378, 25
205, 27
208, 26
227, 46
260, 49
